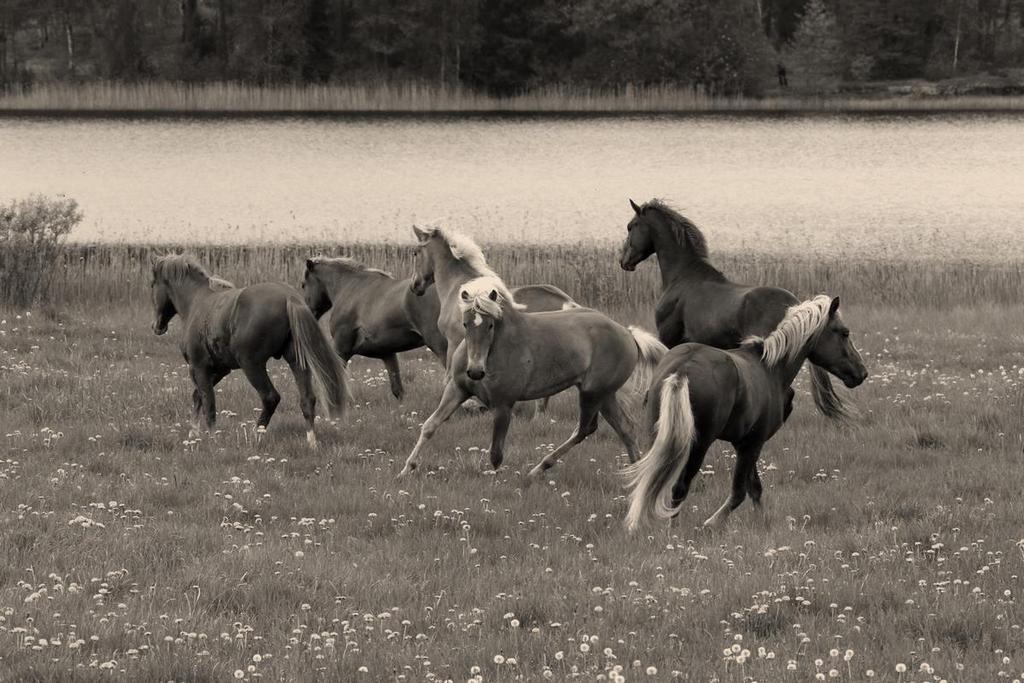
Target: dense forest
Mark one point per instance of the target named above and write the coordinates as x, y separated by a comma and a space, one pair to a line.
507, 46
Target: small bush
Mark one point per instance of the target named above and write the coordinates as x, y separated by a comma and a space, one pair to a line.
32, 235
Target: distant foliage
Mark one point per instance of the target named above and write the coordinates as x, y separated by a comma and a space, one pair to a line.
505, 47
32, 235
815, 54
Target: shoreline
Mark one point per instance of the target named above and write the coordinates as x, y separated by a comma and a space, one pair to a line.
232, 99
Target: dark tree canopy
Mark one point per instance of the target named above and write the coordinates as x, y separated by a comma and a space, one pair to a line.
507, 46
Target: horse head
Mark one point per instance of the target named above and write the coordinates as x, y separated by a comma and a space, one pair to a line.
160, 293
639, 243
834, 351
313, 290
481, 311
424, 276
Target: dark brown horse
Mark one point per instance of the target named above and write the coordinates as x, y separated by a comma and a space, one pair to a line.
700, 304
701, 394
227, 328
372, 313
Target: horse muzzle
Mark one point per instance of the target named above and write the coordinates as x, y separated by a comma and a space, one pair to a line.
476, 374
418, 287
856, 379
159, 329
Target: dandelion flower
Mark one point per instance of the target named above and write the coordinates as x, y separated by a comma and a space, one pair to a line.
239, 674
498, 659
901, 668
652, 671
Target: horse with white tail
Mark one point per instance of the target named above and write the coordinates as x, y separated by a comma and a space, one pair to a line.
509, 355
701, 394
227, 327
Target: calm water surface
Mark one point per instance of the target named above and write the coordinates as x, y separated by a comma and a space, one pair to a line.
949, 186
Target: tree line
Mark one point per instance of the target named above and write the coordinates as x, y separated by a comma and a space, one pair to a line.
507, 46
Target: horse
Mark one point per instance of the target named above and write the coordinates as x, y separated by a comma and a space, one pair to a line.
700, 304
227, 328
509, 355
375, 315
701, 394
450, 259
372, 313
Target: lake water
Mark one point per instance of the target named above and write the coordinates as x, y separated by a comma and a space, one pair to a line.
946, 186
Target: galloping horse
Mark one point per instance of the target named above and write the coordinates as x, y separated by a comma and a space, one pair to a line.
375, 315
372, 313
701, 394
228, 328
452, 259
698, 303
509, 355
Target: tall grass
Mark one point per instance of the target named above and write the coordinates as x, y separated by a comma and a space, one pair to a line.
117, 274
415, 97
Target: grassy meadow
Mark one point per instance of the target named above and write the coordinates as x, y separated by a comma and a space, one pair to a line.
890, 550
192, 98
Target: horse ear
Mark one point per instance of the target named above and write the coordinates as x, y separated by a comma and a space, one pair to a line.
639, 211
493, 296
421, 235
465, 295
833, 307
310, 264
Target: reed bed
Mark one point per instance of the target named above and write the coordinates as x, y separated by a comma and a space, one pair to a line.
117, 274
175, 97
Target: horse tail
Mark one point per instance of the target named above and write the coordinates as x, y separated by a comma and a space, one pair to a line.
828, 401
313, 351
651, 352
654, 476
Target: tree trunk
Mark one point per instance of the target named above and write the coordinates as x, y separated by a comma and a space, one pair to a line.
69, 34
956, 40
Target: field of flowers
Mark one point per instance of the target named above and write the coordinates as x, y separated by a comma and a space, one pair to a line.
890, 550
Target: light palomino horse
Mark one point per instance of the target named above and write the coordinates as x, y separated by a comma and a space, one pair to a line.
701, 394
700, 304
372, 313
448, 259
509, 355
227, 328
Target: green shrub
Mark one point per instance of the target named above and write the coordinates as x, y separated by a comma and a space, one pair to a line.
32, 235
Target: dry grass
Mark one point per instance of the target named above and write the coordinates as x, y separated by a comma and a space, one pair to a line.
118, 274
412, 97
894, 542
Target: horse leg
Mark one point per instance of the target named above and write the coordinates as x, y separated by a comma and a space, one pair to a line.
502, 419
589, 408
746, 460
613, 415
204, 402
394, 376
451, 399
307, 397
694, 460
259, 379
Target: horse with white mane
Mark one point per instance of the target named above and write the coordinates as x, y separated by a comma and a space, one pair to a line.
448, 259
509, 355
701, 394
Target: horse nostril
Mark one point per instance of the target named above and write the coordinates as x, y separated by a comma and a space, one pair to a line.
475, 374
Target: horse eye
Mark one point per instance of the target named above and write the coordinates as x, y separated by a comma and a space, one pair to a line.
845, 334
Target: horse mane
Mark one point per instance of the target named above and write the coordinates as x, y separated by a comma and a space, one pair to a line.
463, 248
475, 295
179, 269
801, 325
684, 230
350, 264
